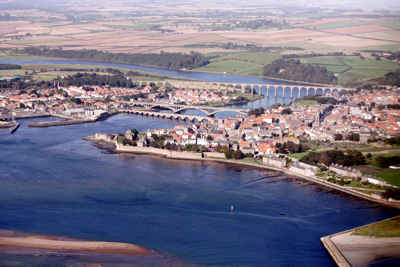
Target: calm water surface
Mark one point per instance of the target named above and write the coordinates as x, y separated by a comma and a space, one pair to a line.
53, 182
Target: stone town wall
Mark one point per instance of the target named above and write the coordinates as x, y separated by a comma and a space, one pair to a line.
215, 155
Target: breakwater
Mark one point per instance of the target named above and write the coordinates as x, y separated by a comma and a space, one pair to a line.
348, 249
14, 128
58, 123
31, 115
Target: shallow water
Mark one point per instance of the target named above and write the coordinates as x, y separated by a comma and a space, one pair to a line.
53, 182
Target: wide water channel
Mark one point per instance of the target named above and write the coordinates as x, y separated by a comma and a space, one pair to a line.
53, 182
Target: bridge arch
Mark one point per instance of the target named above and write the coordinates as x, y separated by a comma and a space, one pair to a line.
191, 108
319, 91
161, 107
295, 92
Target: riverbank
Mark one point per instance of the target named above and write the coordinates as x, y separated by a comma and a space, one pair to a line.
10, 240
350, 249
102, 139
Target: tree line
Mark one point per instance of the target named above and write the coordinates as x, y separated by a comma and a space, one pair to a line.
296, 71
163, 60
350, 158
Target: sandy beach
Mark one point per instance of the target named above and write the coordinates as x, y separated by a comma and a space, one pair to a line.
53, 243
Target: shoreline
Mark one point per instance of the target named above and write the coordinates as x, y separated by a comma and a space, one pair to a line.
162, 153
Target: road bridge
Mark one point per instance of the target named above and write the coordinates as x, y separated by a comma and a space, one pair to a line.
170, 116
177, 108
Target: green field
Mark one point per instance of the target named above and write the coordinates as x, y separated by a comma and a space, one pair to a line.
390, 176
353, 69
233, 66
244, 63
387, 228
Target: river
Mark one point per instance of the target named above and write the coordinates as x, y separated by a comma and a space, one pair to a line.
53, 182
266, 101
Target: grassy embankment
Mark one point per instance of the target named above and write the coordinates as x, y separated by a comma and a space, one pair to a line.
387, 228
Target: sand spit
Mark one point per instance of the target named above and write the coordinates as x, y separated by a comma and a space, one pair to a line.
53, 243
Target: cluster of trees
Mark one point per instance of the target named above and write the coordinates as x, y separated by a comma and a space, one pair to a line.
80, 79
391, 78
286, 111
290, 147
393, 141
164, 60
393, 193
355, 137
385, 162
335, 54
22, 84
10, 67
297, 71
350, 158
257, 112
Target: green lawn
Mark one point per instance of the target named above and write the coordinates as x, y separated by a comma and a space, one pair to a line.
390, 176
298, 155
387, 228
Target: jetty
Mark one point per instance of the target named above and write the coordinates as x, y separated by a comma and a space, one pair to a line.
14, 128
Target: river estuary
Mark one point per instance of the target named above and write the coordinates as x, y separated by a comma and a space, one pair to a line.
55, 183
